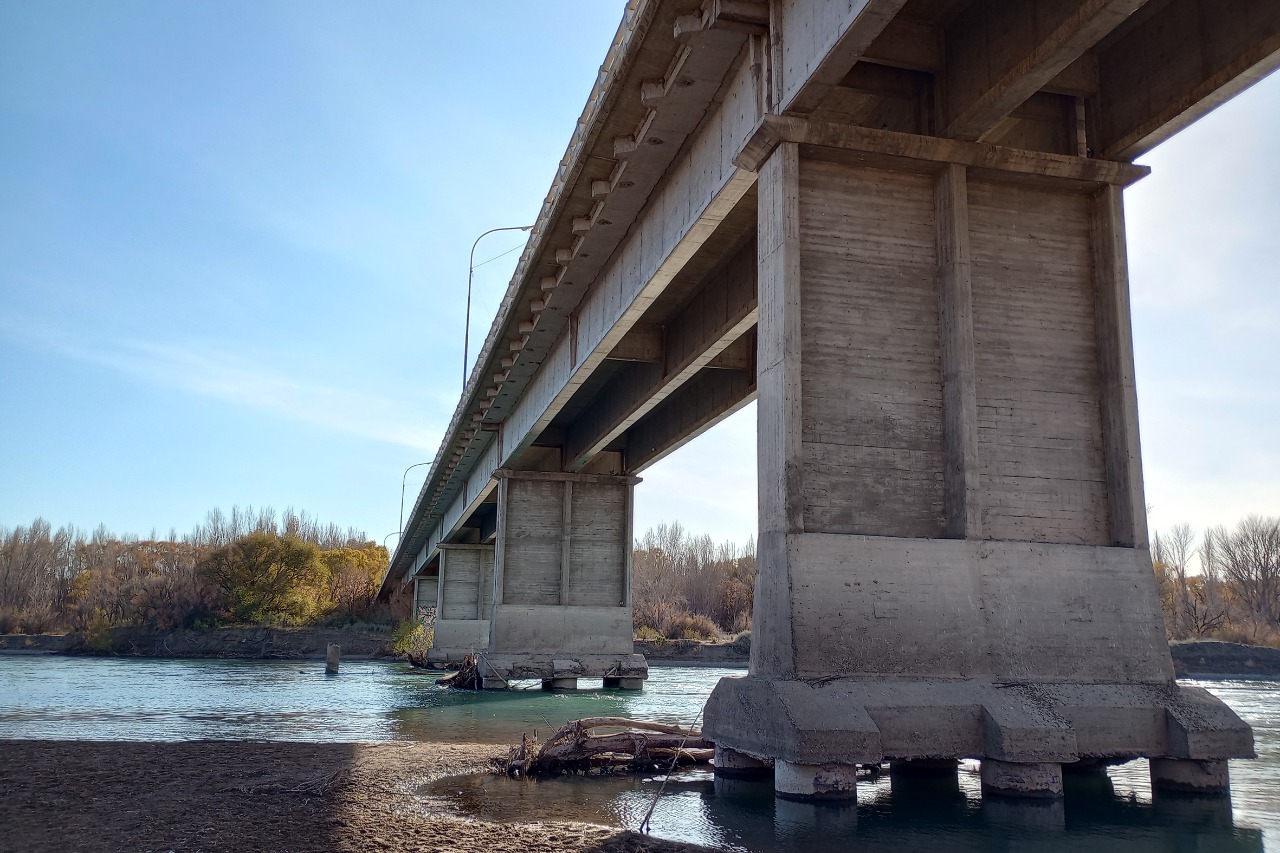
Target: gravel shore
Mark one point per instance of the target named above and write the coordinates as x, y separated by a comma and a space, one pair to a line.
242, 796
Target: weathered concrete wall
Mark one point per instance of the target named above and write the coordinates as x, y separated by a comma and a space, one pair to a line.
461, 635
563, 563
853, 263
549, 629
1005, 611
465, 600
426, 594
871, 381
466, 577
1036, 356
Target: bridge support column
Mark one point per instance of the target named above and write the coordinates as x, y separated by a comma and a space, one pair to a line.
1033, 781
950, 491
1190, 776
739, 765
562, 582
464, 598
832, 781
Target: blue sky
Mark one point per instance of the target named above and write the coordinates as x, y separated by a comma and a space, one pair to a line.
233, 255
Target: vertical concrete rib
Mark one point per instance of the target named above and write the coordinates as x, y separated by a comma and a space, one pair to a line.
566, 541
779, 453
780, 434
959, 389
1121, 449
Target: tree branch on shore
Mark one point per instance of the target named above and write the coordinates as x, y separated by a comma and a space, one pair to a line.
577, 747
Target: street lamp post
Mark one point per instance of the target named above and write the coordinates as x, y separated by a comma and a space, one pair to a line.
471, 269
403, 480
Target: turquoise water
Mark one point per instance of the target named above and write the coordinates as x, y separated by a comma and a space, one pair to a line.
50, 697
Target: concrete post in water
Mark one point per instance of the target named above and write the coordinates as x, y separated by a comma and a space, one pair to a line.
333, 656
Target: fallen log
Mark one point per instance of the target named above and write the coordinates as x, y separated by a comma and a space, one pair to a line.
575, 747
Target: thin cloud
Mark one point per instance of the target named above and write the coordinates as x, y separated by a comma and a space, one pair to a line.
216, 371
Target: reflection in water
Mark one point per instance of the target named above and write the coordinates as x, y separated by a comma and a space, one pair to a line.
911, 814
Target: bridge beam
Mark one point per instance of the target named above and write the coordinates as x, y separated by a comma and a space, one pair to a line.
1181, 61
950, 489
707, 399
717, 316
998, 53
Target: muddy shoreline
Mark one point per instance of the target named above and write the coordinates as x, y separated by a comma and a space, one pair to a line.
255, 643
235, 796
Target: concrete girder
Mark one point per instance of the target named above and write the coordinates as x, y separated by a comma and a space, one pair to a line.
814, 45
718, 315
710, 397
1182, 60
692, 80
998, 53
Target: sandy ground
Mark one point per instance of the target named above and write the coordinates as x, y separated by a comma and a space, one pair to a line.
224, 796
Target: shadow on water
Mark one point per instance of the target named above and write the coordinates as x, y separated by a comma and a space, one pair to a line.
902, 814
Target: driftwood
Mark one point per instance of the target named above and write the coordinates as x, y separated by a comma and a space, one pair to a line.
466, 677
575, 748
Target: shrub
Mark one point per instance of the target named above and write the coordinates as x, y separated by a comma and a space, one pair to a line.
691, 626
411, 637
265, 577
10, 619
38, 619
97, 637
646, 633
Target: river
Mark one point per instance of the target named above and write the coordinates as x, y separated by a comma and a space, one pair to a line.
68, 698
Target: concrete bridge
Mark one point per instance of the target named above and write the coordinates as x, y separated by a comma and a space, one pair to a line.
898, 225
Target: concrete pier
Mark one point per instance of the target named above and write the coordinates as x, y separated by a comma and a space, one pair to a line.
738, 765
1031, 781
562, 580
953, 493
465, 601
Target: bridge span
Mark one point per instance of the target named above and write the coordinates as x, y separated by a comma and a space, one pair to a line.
898, 225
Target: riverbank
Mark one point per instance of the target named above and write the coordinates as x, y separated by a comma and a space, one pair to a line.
695, 653
1192, 658
257, 643
227, 796
1216, 658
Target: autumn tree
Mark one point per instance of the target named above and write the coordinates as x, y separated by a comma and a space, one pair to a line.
263, 576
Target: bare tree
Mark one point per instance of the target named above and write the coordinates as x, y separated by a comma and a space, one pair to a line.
1249, 559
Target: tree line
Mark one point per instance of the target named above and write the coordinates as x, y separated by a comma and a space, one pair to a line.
259, 567
687, 587
1223, 584
246, 567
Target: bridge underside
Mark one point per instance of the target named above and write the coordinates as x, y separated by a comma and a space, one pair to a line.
899, 227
